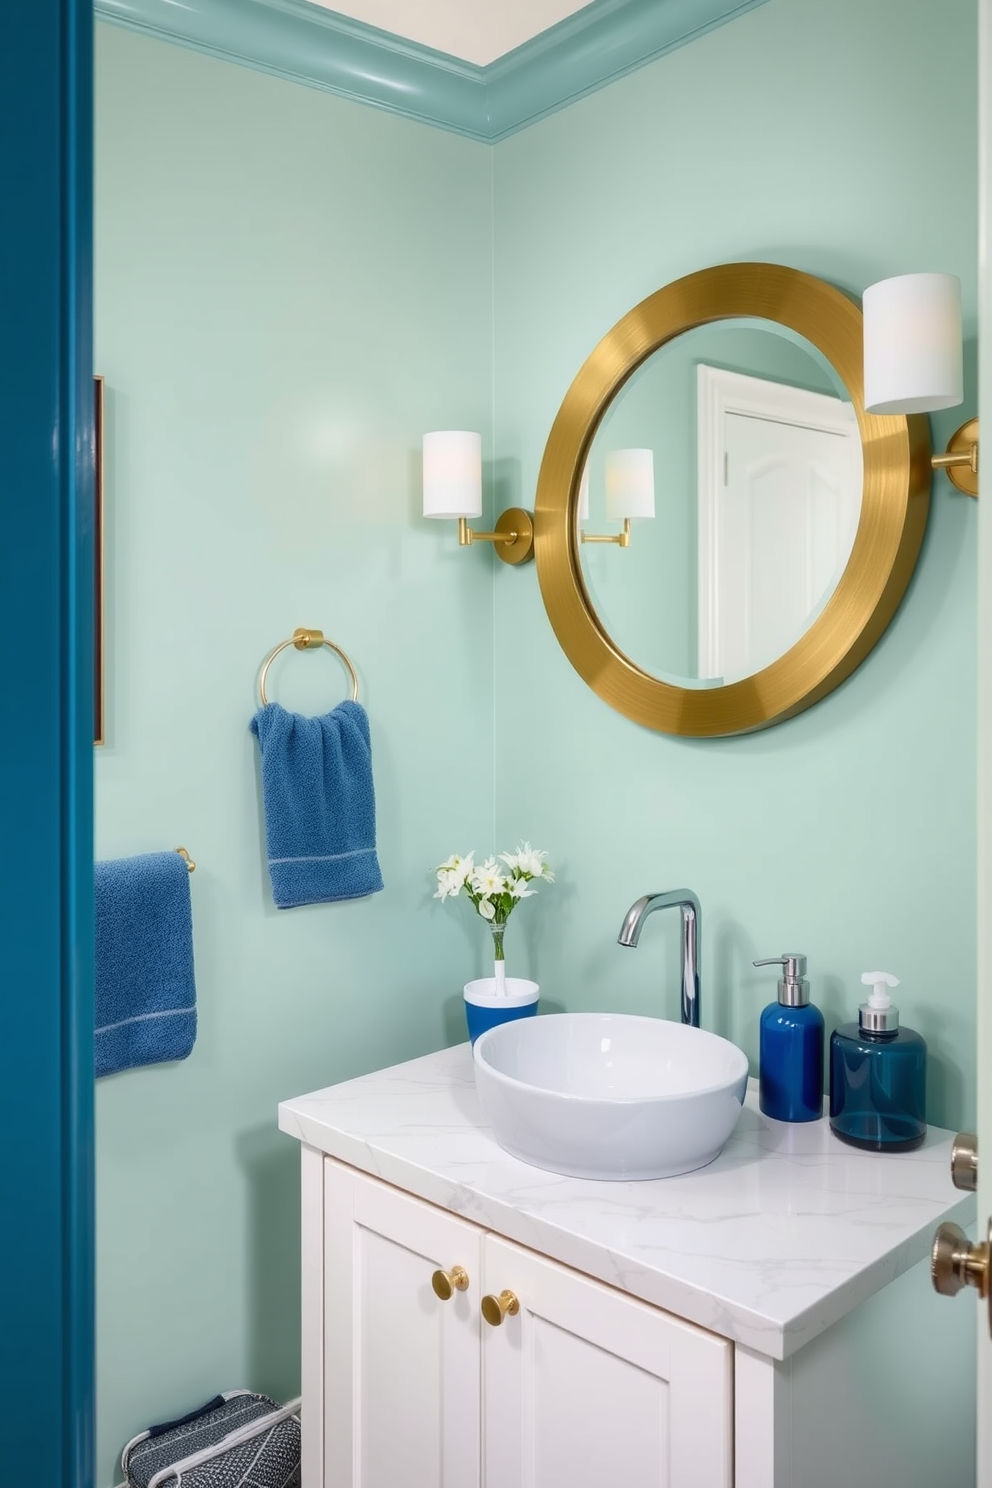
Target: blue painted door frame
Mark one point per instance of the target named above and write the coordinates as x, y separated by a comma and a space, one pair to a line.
46, 762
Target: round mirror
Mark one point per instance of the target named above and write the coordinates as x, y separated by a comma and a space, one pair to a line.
721, 532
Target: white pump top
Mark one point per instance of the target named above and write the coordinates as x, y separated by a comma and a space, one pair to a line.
877, 1015
878, 981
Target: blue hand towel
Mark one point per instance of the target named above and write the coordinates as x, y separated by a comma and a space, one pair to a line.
319, 804
145, 992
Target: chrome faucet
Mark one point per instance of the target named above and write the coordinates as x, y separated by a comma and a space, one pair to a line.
685, 901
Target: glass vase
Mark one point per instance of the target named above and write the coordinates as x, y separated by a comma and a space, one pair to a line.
499, 961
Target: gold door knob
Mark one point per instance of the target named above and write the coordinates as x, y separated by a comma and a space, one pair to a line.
495, 1309
447, 1282
964, 1161
956, 1263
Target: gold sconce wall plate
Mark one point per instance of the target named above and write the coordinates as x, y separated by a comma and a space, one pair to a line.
894, 507
963, 474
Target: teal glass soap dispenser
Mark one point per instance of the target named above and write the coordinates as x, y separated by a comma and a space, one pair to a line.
878, 1075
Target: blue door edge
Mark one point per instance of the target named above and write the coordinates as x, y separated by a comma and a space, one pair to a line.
46, 742
79, 517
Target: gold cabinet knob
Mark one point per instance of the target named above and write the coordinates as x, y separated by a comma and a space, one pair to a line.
495, 1309
447, 1282
956, 1263
964, 1161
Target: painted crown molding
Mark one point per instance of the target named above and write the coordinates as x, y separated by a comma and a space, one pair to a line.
307, 44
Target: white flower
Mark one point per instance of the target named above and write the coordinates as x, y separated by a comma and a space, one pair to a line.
486, 909
530, 861
453, 875
518, 888
487, 881
448, 884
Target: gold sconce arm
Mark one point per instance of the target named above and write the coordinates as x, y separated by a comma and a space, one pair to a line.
467, 536
622, 539
513, 540
961, 458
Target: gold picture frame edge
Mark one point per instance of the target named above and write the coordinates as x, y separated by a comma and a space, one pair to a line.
895, 506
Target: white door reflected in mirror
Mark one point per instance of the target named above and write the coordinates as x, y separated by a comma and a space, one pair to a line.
779, 494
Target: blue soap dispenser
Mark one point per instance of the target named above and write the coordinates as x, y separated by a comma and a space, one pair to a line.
878, 1075
790, 1067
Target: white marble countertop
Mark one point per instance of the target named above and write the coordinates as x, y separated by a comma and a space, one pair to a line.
786, 1232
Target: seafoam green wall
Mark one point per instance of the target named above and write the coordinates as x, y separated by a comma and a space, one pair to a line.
816, 136
290, 290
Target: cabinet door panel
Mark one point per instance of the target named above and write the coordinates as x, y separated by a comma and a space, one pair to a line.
402, 1378
588, 1387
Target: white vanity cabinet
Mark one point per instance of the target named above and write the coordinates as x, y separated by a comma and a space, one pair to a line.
765, 1322
581, 1385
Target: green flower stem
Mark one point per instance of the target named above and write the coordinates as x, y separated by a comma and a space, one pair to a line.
499, 961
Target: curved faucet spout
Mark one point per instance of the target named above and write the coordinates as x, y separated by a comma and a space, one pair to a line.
686, 902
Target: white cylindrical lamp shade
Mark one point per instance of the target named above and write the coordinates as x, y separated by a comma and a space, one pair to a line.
913, 355
629, 484
452, 474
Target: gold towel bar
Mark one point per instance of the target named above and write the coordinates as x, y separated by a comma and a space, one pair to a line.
308, 640
186, 859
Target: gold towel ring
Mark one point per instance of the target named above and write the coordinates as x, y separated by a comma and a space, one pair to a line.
308, 640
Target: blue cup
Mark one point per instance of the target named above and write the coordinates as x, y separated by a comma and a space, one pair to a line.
484, 1009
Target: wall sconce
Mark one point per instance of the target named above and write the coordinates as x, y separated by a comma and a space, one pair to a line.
913, 360
453, 489
629, 493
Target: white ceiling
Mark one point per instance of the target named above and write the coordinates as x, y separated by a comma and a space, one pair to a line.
477, 31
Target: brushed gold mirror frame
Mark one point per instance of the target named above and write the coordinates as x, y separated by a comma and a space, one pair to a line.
894, 507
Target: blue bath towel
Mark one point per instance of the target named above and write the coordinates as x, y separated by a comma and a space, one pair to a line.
145, 992
319, 804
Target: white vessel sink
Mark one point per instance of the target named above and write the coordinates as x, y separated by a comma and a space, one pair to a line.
601, 1095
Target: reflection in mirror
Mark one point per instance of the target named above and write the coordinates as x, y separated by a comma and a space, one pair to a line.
757, 479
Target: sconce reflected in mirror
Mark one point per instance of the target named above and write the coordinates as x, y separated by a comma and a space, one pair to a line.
629, 493
913, 361
452, 468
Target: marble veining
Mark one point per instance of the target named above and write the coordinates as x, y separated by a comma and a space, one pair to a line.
783, 1234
